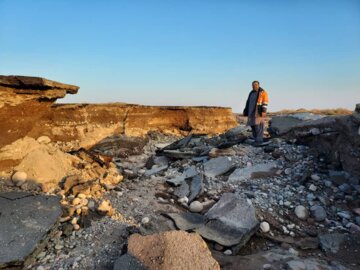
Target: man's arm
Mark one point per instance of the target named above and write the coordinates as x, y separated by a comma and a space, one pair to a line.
246, 110
265, 102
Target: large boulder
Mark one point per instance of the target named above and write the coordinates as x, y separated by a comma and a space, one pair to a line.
230, 222
172, 250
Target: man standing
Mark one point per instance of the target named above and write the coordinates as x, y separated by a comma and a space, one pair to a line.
255, 110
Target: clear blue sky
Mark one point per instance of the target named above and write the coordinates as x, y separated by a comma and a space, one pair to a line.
188, 52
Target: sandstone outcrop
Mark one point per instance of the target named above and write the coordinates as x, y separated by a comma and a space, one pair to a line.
28, 109
24, 101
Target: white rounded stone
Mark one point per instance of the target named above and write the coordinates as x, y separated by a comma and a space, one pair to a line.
315, 177
301, 212
183, 200
145, 220
196, 207
265, 227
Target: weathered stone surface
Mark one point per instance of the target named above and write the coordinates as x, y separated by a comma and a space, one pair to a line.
279, 125
155, 170
172, 250
331, 243
232, 221
217, 166
183, 190
188, 173
20, 95
37, 83
190, 187
257, 171
318, 212
187, 221
26, 221
196, 187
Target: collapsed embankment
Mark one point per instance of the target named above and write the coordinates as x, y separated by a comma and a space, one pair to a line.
28, 109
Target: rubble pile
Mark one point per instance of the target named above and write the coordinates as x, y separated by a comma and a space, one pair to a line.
191, 202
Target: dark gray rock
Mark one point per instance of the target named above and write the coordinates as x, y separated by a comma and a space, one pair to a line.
128, 262
217, 166
232, 221
156, 170
225, 235
182, 191
330, 243
318, 212
262, 170
26, 221
187, 221
338, 177
282, 124
196, 187
190, 187
177, 181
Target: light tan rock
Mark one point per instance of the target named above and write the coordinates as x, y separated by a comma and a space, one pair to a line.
105, 208
176, 250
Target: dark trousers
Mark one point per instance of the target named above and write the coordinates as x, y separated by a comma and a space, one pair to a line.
258, 132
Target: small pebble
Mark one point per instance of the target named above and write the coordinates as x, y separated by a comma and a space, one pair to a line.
265, 227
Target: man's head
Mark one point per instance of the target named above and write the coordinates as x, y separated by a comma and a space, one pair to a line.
255, 85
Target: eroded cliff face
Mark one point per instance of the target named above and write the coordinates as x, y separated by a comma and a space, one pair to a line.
87, 124
28, 109
24, 101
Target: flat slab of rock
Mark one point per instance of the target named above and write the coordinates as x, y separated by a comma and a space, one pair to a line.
217, 166
257, 171
191, 187
230, 222
177, 181
176, 250
26, 82
331, 243
156, 170
26, 221
187, 221
281, 124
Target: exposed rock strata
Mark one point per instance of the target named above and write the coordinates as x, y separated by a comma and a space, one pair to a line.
28, 109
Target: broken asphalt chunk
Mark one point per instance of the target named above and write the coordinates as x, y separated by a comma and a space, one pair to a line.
187, 221
26, 222
262, 170
217, 166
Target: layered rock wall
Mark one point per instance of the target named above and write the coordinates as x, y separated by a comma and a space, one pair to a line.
28, 109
